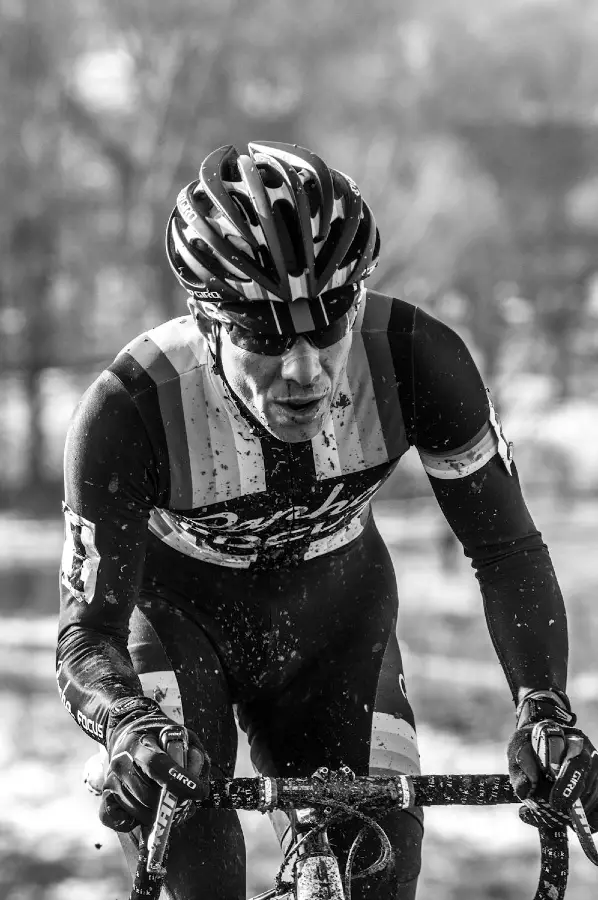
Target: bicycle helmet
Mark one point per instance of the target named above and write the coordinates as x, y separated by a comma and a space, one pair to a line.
275, 240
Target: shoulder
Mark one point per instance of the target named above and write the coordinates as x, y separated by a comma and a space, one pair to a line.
432, 336
125, 409
163, 354
127, 394
442, 361
109, 445
106, 414
396, 317
415, 337
451, 400
105, 398
380, 313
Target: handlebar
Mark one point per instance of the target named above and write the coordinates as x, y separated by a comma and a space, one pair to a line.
379, 791
264, 794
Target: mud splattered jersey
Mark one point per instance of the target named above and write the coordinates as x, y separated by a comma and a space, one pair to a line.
231, 494
162, 457
236, 495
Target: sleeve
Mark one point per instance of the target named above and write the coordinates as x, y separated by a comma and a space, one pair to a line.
472, 473
110, 489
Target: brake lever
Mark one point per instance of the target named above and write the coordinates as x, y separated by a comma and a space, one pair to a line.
174, 740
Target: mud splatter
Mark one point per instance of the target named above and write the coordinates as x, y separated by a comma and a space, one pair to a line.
342, 401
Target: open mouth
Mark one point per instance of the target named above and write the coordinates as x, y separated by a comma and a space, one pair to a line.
304, 403
302, 409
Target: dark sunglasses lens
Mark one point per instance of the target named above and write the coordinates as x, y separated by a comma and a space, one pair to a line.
326, 337
276, 344
264, 344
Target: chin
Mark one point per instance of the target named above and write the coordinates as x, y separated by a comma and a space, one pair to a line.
292, 433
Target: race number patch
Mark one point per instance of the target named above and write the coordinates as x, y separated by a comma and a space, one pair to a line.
505, 448
80, 558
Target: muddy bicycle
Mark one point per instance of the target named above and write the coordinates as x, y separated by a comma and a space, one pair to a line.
310, 869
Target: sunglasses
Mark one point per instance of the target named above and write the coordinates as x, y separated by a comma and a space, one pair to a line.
277, 344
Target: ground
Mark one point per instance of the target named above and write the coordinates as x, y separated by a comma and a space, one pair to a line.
53, 848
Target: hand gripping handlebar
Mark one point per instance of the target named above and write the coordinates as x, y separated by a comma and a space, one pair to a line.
153, 846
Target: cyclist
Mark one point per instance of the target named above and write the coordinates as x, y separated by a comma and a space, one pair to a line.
220, 549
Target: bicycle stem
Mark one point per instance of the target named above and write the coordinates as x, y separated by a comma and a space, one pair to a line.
316, 870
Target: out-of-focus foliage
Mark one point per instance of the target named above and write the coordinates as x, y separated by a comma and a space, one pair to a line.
470, 128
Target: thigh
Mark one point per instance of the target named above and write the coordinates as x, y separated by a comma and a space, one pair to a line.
347, 704
348, 707
179, 667
392, 749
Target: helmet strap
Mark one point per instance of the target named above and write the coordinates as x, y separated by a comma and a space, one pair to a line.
215, 343
209, 328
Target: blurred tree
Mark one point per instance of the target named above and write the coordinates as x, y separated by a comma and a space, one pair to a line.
164, 96
30, 167
233, 74
470, 128
518, 85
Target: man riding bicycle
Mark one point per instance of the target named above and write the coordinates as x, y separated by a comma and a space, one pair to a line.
221, 556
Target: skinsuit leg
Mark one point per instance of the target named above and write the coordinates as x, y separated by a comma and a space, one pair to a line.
309, 656
331, 718
179, 668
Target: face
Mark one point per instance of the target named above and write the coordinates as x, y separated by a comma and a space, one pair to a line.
289, 394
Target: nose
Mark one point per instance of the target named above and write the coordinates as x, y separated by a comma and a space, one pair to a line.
301, 363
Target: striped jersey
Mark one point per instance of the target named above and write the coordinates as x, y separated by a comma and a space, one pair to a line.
232, 494
236, 494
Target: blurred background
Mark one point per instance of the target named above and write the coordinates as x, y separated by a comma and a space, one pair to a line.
472, 130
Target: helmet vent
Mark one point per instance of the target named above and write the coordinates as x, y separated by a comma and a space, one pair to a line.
328, 249
289, 235
244, 205
314, 198
358, 243
230, 170
270, 177
266, 262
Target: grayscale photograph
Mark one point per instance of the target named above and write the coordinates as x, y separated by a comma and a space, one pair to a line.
299, 450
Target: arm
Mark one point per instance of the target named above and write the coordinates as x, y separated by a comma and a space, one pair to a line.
110, 488
111, 485
467, 461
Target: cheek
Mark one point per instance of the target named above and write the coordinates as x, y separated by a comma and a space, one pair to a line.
335, 360
248, 373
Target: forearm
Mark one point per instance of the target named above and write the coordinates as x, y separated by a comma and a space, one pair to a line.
110, 488
526, 618
93, 670
470, 465
522, 599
